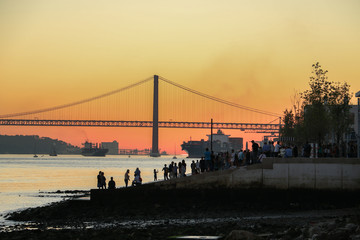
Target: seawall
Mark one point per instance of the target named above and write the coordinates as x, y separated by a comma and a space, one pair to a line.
290, 179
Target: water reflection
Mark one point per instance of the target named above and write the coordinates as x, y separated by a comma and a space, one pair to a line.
25, 180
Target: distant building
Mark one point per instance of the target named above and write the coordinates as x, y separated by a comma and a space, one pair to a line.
112, 146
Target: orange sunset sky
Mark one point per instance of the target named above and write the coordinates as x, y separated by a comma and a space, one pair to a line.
255, 53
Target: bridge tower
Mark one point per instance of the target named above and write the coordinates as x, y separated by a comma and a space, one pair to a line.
155, 133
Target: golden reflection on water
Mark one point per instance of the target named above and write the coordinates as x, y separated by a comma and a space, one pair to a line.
66, 173
22, 177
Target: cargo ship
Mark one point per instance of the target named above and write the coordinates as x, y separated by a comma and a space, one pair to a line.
221, 143
91, 150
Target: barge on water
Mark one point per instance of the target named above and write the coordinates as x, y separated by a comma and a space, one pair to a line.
93, 150
221, 143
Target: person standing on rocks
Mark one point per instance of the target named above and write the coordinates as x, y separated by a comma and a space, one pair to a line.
171, 165
166, 170
155, 174
183, 168
175, 170
99, 184
103, 180
127, 178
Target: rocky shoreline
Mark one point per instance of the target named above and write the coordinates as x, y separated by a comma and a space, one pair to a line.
141, 219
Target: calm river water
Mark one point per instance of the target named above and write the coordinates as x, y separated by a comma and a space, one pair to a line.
26, 181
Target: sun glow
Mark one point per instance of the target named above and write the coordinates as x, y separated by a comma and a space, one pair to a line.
253, 53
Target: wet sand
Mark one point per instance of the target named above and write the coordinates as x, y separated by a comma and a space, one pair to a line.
141, 219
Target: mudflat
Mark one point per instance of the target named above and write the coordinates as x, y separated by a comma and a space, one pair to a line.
261, 214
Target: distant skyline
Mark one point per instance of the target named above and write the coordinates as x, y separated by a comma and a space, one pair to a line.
254, 53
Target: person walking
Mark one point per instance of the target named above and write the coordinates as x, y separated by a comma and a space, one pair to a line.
155, 174
166, 171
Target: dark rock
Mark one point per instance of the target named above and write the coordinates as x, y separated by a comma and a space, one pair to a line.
313, 230
351, 227
338, 234
242, 235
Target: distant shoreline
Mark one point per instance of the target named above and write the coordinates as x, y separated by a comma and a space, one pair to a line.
31, 144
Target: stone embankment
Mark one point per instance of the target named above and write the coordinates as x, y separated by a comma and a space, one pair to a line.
279, 199
276, 183
279, 173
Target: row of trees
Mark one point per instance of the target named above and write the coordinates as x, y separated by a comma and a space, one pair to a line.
319, 113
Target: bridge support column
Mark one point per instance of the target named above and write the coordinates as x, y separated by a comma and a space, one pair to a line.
155, 133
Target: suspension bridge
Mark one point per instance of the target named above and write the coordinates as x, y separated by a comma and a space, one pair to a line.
137, 105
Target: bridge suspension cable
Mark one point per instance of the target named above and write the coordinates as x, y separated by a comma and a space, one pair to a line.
276, 119
78, 102
219, 99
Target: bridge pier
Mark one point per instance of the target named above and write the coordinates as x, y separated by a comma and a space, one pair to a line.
155, 133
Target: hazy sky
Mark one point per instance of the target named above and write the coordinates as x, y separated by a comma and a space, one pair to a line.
255, 52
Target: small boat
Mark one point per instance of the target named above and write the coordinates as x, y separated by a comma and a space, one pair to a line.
35, 150
174, 157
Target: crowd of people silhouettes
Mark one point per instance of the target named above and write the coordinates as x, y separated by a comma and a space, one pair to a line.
219, 161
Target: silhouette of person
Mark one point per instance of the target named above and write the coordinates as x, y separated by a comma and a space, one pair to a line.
255, 150
99, 184
175, 171
155, 174
111, 184
183, 168
137, 172
137, 178
127, 178
166, 170
103, 180
207, 158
